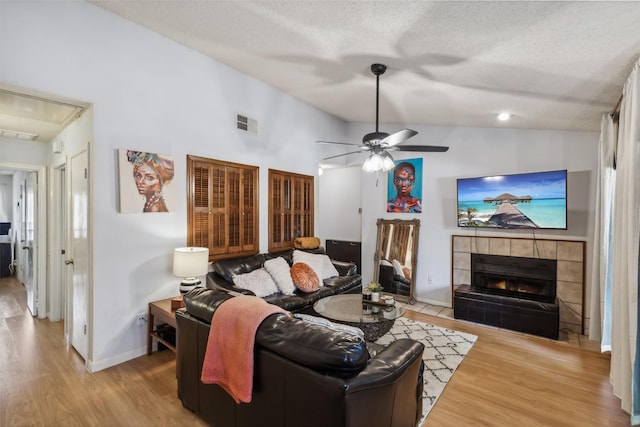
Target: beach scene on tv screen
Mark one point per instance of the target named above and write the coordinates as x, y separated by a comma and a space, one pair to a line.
529, 200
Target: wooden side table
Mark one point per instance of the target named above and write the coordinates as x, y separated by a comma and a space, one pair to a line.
164, 314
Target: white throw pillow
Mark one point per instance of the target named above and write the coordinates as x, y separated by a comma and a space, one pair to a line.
320, 263
279, 270
328, 269
397, 268
258, 281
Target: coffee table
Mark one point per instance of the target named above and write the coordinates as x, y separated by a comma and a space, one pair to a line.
350, 309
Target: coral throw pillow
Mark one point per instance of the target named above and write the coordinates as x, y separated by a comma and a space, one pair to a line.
304, 277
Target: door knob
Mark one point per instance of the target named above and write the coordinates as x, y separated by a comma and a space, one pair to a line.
68, 261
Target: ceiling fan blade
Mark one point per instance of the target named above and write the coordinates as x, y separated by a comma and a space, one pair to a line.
339, 143
345, 154
420, 148
398, 137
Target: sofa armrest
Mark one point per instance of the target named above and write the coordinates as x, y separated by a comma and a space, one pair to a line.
395, 377
401, 279
214, 281
345, 268
388, 365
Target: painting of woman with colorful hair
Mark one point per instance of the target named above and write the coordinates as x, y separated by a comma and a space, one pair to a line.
151, 173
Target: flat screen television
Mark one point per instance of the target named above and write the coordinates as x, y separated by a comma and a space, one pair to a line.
524, 200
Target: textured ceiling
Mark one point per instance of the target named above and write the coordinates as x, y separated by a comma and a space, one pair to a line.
553, 65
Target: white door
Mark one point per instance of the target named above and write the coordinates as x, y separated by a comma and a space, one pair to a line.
78, 253
58, 238
29, 190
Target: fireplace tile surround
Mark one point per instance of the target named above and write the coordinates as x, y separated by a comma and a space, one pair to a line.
570, 257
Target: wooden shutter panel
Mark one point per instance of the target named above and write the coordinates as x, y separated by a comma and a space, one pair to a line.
217, 208
234, 198
222, 205
249, 217
201, 236
290, 208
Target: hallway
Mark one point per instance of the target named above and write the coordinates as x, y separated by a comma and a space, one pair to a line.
44, 383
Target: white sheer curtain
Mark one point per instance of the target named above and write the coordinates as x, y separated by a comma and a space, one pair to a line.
624, 257
600, 309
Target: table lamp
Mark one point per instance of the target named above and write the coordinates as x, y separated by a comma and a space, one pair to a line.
190, 263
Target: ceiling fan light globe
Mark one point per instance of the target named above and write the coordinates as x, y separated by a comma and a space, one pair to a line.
387, 162
373, 163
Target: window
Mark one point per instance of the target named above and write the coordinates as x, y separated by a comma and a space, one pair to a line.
222, 207
290, 208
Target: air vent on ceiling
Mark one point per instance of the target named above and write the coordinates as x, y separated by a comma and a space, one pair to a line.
247, 124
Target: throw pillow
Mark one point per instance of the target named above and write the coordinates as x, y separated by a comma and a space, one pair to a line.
397, 268
320, 263
407, 273
321, 321
328, 269
258, 281
278, 268
304, 277
306, 243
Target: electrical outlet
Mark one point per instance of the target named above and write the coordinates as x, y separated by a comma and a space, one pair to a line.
141, 319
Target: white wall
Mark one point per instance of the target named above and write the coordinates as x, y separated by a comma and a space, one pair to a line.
340, 202
149, 94
476, 152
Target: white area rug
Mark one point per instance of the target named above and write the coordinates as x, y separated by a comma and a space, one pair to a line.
444, 349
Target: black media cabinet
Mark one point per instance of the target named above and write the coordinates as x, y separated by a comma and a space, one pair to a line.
517, 314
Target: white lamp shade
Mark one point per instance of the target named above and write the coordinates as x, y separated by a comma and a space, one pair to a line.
190, 262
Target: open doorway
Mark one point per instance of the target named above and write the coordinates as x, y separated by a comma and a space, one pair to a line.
27, 236
61, 288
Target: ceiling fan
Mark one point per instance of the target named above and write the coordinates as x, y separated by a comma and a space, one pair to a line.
380, 143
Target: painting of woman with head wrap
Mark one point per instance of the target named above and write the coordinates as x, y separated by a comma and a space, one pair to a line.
144, 180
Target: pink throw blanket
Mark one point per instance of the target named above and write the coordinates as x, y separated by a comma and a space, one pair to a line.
228, 359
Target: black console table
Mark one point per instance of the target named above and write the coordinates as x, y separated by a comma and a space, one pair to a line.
342, 250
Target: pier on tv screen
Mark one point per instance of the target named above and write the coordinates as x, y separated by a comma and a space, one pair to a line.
526, 200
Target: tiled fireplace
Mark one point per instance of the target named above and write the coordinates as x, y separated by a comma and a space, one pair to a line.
569, 260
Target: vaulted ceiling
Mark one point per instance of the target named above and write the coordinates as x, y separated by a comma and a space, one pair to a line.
552, 65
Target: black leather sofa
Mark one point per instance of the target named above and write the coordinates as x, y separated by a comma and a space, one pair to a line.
305, 374
349, 281
392, 282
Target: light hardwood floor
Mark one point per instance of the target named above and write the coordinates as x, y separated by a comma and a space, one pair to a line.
507, 379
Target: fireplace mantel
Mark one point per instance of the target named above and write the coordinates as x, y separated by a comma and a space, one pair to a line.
569, 254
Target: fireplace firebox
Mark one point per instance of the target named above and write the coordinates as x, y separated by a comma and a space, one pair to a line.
511, 292
528, 278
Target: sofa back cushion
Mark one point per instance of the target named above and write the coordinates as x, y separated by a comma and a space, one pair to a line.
313, 345
227, 268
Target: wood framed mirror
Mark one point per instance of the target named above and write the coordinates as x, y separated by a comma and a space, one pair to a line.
396, 257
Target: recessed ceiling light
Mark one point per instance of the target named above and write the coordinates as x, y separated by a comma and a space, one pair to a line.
504, 116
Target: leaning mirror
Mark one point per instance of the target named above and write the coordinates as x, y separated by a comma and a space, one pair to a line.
395, 257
